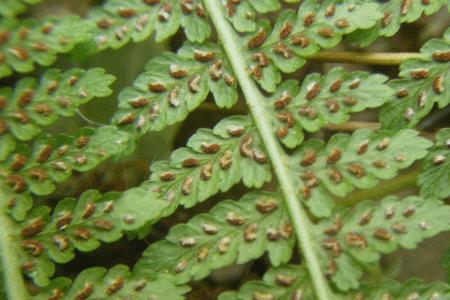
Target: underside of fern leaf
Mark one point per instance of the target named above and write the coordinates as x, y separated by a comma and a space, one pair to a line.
355, 239
323, 100
348, 162
116, 22
395, 13
174, 85
31, 105
296, 36
232, 232
424, 82
26, 42
52, 159
433, 180
79, 224
292, 282
117, 282
318, 209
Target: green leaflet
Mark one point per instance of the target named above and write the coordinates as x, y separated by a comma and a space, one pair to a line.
10, 8
214, 161
355, 238
117, 22
296, 36
26, 42
434, 178
52, 159
424, 83
347, 162
411, 289
291, 282
17, 205
322, 100
79, 224
31, 105
115, 283
174, 85
243, 14
287, 282
395, 12
232, 232
239, 155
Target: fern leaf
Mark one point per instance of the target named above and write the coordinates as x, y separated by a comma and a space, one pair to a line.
395, 13
117, 22
115, 283
360, 160
24, 43
354, 239
292, 282
11, 8
424, 83
17, 205
434, 178
231, 232
82, 225
242, 14
214, 161
51, 160
175, 84
295, 37
323, 100
31, 105
411, 289
285, 282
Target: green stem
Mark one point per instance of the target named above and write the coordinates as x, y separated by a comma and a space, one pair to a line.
256, 103
385, 188
365, 58
12, 275
352, 126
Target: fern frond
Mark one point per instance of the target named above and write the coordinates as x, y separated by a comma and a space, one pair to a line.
175, 84
79, 224
31, 105
285, 282
231, 232
292, 282
354, 238
322, 100
243, 14
435, 176
214, 161
296, 36
360, 160
16, 205
411, 289
52, 159
11, 8
115, 283
395, 13
117, 22
26, 42
424, 83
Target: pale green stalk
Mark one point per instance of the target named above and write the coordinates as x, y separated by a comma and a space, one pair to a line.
365, 58
12, 275
256, 104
